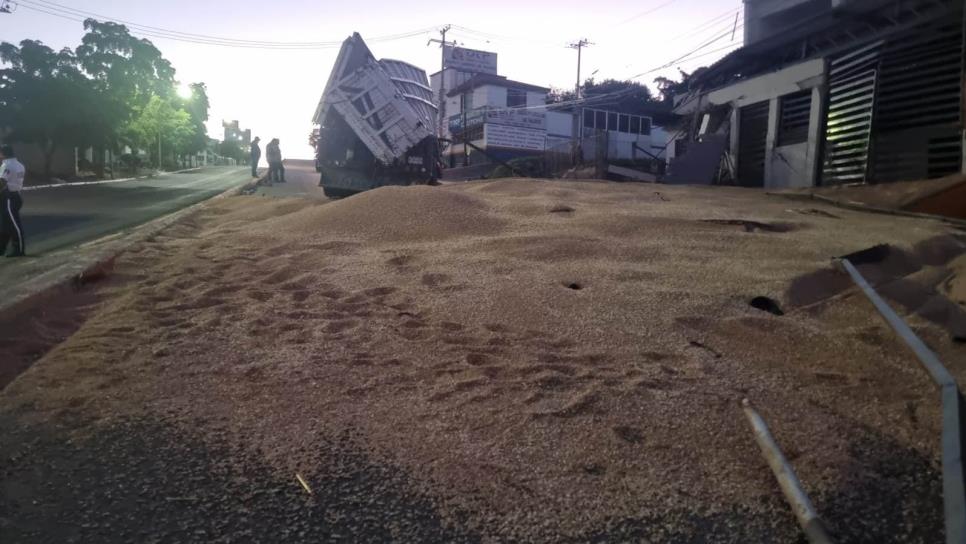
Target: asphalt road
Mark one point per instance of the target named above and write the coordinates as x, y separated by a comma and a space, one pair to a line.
301, 181
64, 216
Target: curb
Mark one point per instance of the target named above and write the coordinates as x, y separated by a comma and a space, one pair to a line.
103, 181
70, 274
859, 207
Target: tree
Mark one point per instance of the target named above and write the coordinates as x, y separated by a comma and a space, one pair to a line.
197, 106
46, 100
113, 90
669, 88
624, 96
160, 123
231, 150
128, 72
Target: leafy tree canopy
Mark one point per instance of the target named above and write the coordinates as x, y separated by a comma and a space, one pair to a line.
115, 89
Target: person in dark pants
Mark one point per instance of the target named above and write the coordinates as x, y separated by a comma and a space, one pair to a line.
256, 156
11, 183
276, 171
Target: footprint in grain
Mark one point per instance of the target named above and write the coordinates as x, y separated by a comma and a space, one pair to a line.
400, 260
628, 434
434, 280
379, 291
341, 325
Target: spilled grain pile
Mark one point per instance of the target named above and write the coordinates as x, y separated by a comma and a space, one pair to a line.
546, 360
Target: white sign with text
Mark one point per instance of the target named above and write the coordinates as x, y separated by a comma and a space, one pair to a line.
469, 60
514, 137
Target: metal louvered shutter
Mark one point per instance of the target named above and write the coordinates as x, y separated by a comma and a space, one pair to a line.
918, 106
851, 100
752, 136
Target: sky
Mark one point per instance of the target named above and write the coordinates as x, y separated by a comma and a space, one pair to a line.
274, 91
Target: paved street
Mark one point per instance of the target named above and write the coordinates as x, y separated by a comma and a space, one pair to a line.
301, 181
60, 217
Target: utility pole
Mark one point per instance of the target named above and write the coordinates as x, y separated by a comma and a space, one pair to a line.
441, 114
579, 46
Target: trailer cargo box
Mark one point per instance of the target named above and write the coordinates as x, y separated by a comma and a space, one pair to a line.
376, 123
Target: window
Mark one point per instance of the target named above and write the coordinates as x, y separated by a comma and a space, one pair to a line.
624, 123
794, 112
588, 118
611, 121
635, 124
646, 126
516, 98
600, 118
468, 101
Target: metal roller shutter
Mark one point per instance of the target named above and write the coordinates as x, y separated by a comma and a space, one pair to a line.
752, 136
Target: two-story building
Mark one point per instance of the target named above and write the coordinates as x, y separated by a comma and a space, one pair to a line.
833, 91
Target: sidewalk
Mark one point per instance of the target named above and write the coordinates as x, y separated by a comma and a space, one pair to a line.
301, 181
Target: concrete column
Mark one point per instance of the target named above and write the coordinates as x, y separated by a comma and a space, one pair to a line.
815, 137
735, 124
770, 139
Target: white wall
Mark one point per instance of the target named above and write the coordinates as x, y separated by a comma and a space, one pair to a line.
805, 75
786, 166
620, 145
560, 124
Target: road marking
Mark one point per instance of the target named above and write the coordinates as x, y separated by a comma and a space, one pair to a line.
104, 181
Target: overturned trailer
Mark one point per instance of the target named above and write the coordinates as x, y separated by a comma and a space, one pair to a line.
376, 124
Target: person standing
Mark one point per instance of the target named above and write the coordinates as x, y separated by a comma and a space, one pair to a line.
11, 183
256, 156
276, 171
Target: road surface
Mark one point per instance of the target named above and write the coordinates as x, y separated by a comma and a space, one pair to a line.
302, 181
64, 216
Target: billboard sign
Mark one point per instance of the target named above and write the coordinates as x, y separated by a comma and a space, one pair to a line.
469, 60
511, 137
518, 118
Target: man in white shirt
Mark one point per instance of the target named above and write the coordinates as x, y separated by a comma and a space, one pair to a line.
11, 183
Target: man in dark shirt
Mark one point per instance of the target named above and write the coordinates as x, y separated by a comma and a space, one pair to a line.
256, 156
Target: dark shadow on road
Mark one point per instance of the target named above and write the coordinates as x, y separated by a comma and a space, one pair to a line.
144, 481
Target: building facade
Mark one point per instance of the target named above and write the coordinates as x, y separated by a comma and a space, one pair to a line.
234, 133
829, 92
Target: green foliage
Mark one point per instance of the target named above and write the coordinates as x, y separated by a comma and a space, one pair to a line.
634, 97
114, 90
232, 150
668, 87
45, 99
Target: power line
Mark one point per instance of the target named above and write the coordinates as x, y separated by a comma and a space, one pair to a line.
688, 55
156, 32
646, 12
504, 37
707, 24
47, 4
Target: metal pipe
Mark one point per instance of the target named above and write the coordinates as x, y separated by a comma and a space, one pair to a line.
787, 480
954, 487
939, 374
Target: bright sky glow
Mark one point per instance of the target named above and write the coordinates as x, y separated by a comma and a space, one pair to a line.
184, 90
274, 91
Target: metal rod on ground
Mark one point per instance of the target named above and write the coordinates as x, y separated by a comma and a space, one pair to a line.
787, 481
954, 488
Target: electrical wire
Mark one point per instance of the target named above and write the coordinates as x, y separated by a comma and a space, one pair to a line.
689, 54
503, 37
715, 21
56, 10
646, 12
